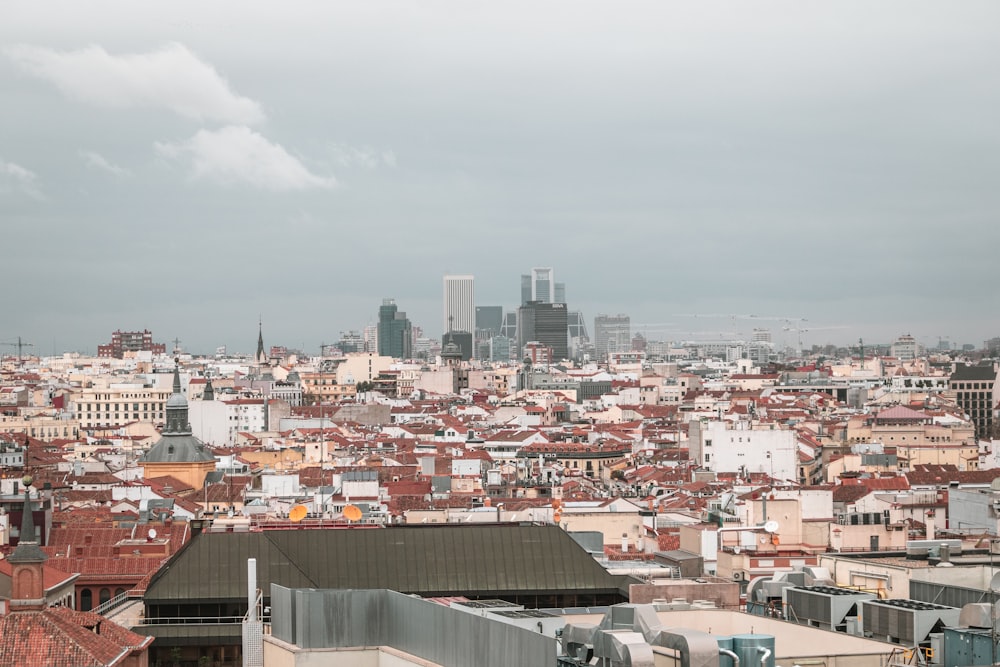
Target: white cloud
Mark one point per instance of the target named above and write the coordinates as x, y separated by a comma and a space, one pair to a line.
15, 178
98, 161
238, 155
365, 157
171, 78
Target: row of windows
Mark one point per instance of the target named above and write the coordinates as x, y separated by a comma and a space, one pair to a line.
96, 407
983, 386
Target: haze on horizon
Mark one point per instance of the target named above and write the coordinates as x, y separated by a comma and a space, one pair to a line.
192, 168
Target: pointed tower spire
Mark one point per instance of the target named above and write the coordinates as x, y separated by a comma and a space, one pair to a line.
177, 376
261, 355
209, 393
177, 407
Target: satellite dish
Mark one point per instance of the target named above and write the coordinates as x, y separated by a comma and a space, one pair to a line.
995, 583
152, 533
297, 513
771, 526
352, 513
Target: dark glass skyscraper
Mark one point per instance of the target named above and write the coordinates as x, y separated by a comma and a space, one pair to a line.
395, 334
545, 323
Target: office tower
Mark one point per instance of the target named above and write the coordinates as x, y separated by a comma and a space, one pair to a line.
489, 320
369, 338
395, 334
545, 323
499, 347
459, 304
577, 326
525, 289
612, 333
509, 327
542, 284
559, 293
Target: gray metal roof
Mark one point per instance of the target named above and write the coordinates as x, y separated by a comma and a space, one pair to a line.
472, 560
177, 449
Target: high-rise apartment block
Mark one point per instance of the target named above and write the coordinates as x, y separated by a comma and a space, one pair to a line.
612, 333
130, 341
459, 304
395, 333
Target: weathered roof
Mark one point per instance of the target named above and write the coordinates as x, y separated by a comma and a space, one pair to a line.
984, 372
473, 560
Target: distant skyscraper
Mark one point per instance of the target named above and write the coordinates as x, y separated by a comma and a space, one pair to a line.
489, 319
612, 333
509, 327
369, 338
525, 289
459, 304
545, 323
543, 285
395, 335
559, 293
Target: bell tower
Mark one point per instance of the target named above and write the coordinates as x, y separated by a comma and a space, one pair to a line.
27, 587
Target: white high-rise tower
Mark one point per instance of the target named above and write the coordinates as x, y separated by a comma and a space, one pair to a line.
459, 304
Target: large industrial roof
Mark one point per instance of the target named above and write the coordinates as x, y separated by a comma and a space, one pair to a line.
474, 560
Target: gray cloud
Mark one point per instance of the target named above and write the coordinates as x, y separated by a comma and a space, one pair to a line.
831, 161
15, 179
97, 161
237, 155
171, 78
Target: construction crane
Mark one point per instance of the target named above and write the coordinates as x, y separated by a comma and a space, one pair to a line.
734, 318
20, 345
800, 330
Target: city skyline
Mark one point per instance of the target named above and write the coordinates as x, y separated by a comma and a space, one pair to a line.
815, 163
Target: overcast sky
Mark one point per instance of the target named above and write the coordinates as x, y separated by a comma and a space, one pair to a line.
191, 167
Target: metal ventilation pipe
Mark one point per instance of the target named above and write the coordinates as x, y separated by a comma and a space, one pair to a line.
252, 589
765, 655
726, 651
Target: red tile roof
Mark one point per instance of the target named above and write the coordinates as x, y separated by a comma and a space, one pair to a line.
61, 636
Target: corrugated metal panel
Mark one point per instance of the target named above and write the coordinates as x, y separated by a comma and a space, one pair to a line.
347, 618
951, 596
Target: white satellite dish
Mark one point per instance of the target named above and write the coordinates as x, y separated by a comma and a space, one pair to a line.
771, 526
995, 583
152, 533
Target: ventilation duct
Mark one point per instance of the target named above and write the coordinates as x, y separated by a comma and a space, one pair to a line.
622, 648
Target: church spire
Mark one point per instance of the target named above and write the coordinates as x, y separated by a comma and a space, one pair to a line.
261, 357
28, 592
177, 408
